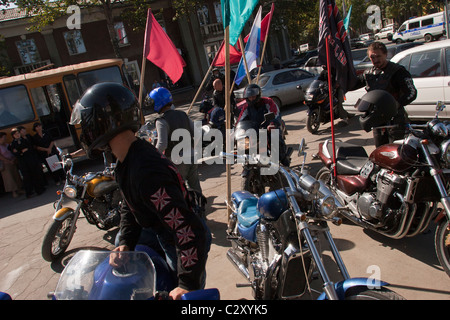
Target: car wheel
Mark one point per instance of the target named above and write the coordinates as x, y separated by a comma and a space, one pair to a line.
277, 102
428, 37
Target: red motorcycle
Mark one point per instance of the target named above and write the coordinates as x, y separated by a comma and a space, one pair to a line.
397, 189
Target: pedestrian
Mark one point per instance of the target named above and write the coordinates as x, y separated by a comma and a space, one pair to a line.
155, 196
395, 79
10, 174
45, 146
28, 162
168, 121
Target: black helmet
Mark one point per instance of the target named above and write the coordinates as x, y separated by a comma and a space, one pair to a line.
379, 106
252, 90
104, 110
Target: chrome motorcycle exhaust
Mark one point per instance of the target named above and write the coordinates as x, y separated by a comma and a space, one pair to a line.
238, 263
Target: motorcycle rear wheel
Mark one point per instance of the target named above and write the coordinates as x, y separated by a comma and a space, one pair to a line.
57, 239
442, 244
363, 293
313, 121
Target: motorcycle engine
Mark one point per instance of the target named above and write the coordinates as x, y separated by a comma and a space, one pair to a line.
390, 187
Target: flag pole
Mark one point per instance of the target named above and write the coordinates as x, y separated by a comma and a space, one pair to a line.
228, 115
201, 87
330, 94
241, 43
265, 42
144, 63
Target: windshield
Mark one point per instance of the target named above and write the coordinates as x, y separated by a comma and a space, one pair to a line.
15, 106
314, 85
89, 78
262, 81
89, 276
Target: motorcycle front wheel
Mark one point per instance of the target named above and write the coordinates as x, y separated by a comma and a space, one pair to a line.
442, 244
363, 293
57, 239
313, 121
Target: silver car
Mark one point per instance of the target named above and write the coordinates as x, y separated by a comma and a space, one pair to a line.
281, 85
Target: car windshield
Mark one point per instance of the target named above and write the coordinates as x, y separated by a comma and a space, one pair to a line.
262, 80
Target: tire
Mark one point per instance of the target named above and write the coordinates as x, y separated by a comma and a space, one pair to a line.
313, 121
56, 239
277, 101
363, 293
442, 244
324, 174
428, 37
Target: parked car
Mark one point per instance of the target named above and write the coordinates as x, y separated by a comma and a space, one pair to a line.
392, 51
428, 65
300, 60
313, 65
281, 85
386, 32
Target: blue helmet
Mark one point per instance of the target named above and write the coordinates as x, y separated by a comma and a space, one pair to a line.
161, 97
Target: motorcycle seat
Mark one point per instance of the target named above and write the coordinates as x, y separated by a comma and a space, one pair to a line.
248, 214
350, 158
350, 166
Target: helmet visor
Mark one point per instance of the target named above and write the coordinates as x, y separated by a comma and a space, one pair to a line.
251, 92
363, 106
75, 117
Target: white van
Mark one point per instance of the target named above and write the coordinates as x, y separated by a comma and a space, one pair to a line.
428, 27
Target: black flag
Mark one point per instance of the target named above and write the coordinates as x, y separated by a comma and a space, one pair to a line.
332, 27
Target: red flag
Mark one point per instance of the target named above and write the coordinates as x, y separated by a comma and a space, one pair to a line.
265, 24
219, 59
159, 49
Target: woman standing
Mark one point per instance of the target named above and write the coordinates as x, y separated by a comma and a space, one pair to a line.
29, 164
10, 174
45, 147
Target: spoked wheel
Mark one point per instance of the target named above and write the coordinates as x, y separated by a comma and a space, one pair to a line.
442, 244
313, 121
57, 239
363, 293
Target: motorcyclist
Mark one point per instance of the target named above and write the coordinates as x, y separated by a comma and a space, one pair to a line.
394, 78
339, 94
254, 107
155, 195
169, 120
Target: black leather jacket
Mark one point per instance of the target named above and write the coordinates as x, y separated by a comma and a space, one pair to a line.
157, 198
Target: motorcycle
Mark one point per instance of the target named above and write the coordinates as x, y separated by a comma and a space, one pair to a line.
276, 240
396, 190
135, 275
317, 101
95, 194
252, 179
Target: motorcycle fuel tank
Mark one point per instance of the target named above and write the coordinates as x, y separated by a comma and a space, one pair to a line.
101, 185
396, 157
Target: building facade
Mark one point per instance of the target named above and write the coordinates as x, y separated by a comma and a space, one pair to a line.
197, 38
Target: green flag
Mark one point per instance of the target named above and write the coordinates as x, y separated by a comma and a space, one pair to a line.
235, 14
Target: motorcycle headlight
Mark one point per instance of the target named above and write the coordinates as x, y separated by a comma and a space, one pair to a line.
328, 206
438, 129
445, 155
70, 191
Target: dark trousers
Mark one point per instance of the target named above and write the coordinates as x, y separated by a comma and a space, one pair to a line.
32, 174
